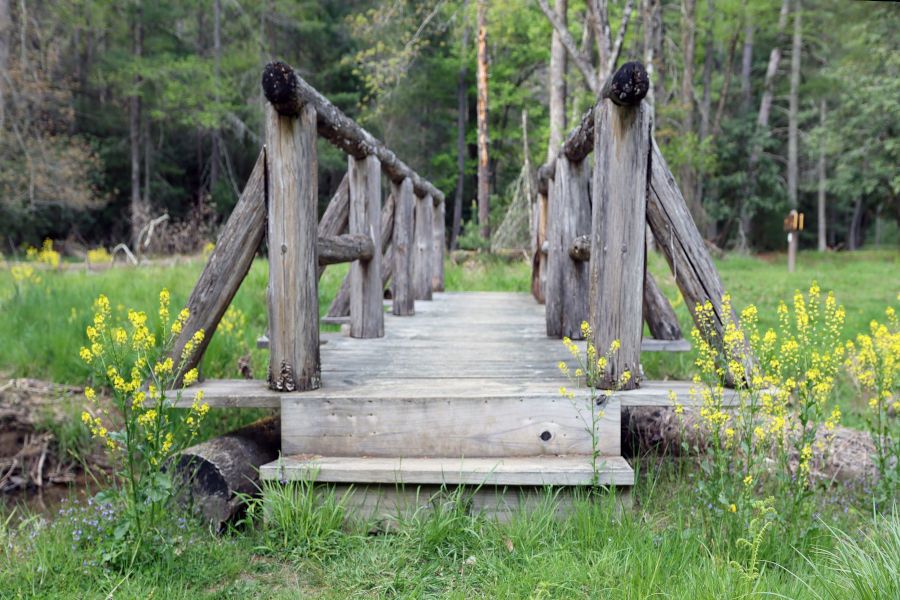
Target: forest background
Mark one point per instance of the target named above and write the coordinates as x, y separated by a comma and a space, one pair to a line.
114, 113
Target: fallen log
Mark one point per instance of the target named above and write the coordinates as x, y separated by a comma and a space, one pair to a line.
213, 475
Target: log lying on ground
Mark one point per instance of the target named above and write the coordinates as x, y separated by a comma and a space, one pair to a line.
659, 430
211, 474
287, 92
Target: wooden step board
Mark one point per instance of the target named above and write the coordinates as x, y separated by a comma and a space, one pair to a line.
571, 470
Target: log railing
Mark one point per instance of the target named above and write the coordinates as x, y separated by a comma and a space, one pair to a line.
280, 200
631, 187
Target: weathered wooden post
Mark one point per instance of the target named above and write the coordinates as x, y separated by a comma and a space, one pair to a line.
424, 246
402, 251
622, 132
366, 316
437, 257
292, 296
569, 216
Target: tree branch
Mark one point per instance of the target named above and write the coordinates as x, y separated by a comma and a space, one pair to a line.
581, 61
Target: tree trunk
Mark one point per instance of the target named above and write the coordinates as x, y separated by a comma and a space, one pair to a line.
5, 32
747, 62
706, 109
652, 31
484, 208
138, 210
557, 85
217, 56
687, 176
461, 117
854, 235
821, 177
794, 108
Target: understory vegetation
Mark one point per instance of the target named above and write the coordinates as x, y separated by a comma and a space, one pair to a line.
717, 523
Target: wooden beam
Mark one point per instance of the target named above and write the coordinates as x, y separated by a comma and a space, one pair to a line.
292, 297
437, 257
366, 315
402, 292
336, 216
344, 248
568, 284
287, 92
340, 306
621, 155
424, 247
226, 268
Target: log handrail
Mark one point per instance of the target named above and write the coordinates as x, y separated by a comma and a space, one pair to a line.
287, 92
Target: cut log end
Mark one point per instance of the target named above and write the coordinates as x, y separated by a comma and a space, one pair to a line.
279, 84
628, 85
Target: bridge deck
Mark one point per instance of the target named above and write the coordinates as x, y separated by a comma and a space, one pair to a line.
466, 389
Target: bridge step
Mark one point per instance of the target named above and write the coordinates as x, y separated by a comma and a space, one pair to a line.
570, 470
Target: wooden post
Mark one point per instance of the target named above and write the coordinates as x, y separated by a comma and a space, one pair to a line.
402, 253
292, 296
424, 247
569, 215
366, 315
437, 257
621, 157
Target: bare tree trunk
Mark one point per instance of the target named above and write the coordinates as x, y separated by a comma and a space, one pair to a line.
484, 208
821, 177
5, 33
747, 61
652, 25
794, 108
217, 57
557, 85
854, 235
687, 176
138, 210
461, 117
706, 109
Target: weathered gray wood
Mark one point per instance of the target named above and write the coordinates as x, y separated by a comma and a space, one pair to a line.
340, 306
539, 261
621, 155
402, 293
366, 316
226, 268
292, 297
288, 92
217, 475
464, 423
336, 216
424, 247
658, 312
683, 246
437, 255
514, 471
344, 248
569, 215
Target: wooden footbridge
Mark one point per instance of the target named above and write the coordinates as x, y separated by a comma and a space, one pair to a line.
438, 387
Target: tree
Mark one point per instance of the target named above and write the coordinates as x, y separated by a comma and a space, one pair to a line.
484, 198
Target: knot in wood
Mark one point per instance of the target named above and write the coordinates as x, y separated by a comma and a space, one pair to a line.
279, 84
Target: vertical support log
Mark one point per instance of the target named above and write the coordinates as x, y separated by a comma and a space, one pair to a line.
437, 257
366, 315
658, 312
569, 216
402, 254
424, 247
621, 177
539, 262
292, 296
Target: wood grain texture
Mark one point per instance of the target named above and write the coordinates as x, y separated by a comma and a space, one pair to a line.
366, 316
403, 296
621, 155
336, 216
439, 237
292, 298
569, 215
422, 262
516, 471
288, 92
460, 422
226, 268
340, 306
344, 248
686, 252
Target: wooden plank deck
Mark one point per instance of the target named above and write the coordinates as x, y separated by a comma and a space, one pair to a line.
466, 391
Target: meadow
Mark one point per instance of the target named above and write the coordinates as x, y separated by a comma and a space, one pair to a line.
298, 541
